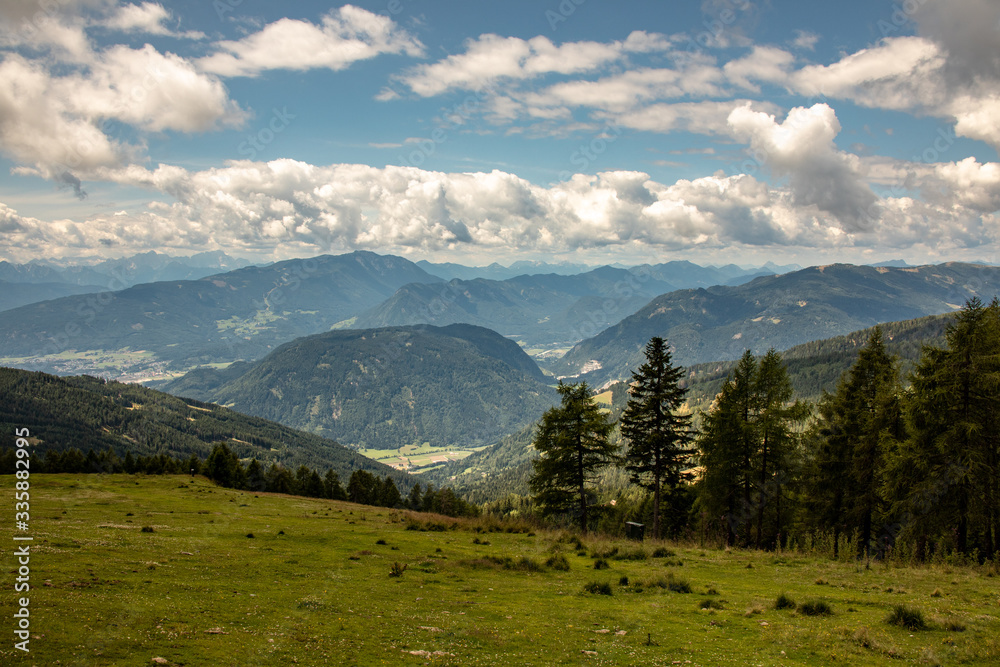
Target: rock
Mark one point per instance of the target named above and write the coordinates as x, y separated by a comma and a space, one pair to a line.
216, 631
160, 661
586, 652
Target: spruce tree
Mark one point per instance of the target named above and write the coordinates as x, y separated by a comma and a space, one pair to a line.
657, 434
572, 440
952, 460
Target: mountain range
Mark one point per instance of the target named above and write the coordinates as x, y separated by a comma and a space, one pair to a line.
456, 386
776, 311
241, 314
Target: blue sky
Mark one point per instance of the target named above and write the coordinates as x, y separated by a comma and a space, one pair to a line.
730, 130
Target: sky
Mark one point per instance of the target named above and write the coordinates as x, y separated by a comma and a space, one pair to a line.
558, 130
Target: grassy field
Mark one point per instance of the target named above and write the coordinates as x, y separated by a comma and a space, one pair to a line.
415, 458
312, 586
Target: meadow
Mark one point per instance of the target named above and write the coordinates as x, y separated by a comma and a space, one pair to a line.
133, 570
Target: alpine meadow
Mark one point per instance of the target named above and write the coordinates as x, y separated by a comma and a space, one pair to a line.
558, 333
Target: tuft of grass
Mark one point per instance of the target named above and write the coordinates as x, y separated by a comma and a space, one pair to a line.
671, 583
558, 562
597, 589
250, 536
148, 529
753, 610
710, 604
601, 564
631, 554
663, 552
863, 638
397, 569
907, 617
937, 593
711, 591
382, 542
623, 580
784, 601
815, 608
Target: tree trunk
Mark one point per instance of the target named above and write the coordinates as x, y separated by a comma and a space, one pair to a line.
763, 498
583, 493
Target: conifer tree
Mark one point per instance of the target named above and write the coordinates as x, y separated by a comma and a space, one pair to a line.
574, 446
657, 434
952, 460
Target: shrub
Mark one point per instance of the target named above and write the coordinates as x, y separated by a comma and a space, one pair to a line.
908, 618
382, 542
631, 554
558, 562
598, 589
815, 608
397, 569
601, 564
148, 529
250, 536
671, 583
784, 602
663, 552
623, 580
710, 604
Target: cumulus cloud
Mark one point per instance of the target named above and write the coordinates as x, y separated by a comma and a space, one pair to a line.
345, 35
490, 57
58, 122
801, 149
150, 18
764, 63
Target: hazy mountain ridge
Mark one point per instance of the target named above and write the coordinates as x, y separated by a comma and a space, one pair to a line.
241, 314
116, 274
778, 311
451, 386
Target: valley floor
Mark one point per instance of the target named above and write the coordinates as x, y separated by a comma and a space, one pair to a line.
233, 578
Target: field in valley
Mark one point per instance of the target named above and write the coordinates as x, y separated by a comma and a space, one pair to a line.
233, 578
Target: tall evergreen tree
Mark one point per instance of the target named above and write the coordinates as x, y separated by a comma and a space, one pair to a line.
331, 484
256, 479
574, 446
727, 443
747, 449
953, 457
658, 436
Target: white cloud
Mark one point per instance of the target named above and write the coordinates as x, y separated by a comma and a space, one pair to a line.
56, 122
706, 117
298, 208
150, 18
346, 35
764, 63
805, 40
802, 150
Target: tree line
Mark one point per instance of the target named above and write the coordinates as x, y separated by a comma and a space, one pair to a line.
224, 467
884, 462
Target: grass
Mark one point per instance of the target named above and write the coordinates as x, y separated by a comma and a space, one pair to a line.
197, 591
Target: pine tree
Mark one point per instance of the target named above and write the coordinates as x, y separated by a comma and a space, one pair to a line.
747, 450
953, 457
256, 480
657, 434
331, 484
727, 443
389, 495
413, 500
574, 446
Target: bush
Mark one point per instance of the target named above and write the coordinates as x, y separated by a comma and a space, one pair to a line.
148, 529
908, 618
397, 569
598, 589
784, 602
815, 608
663, 552
558, 562
671, 583
623, 580
710, 604
250, 536
601, 564
382, 542
631, 554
